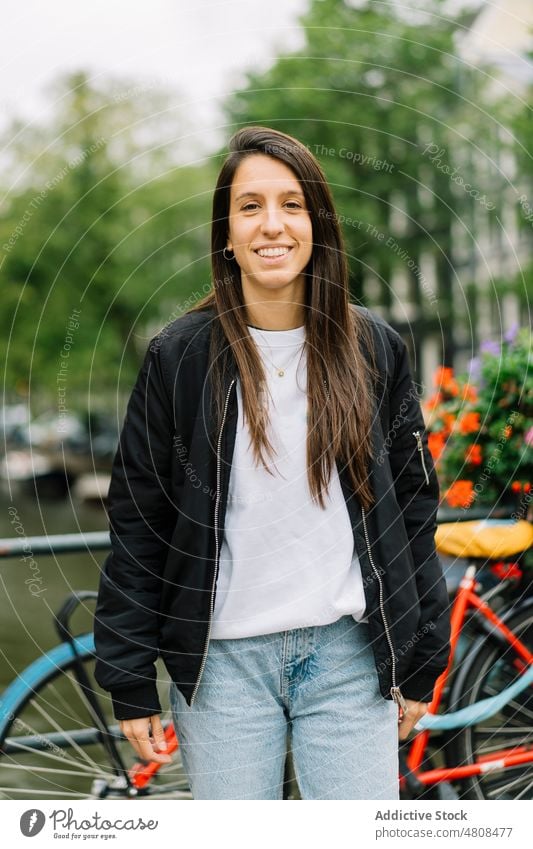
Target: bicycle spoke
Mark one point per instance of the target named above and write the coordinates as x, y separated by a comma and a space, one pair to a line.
70, 794
55, 770
489, 673
519, 708
501, 747
73, 681
529, 786
502, 729
60, 699
80, 767
52, 749
509, 785
74, 744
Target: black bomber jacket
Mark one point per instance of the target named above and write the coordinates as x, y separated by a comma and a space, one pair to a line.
167, 503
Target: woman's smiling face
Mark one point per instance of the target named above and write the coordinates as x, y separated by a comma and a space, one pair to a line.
268, 214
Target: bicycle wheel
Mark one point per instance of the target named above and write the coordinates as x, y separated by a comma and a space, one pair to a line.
50, 746
493, 668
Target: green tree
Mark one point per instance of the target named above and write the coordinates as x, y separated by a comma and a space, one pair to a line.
101, 217
519, 120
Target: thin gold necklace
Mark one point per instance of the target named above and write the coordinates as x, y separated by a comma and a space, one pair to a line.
282, 369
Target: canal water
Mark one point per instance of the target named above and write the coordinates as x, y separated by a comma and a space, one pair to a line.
29, 599
30, 596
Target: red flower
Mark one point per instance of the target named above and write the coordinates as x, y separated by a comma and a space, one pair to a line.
469, 423
443, 375
449, 421
433, 401
445, 381
469, 392
436, 444
460, 494
473, 455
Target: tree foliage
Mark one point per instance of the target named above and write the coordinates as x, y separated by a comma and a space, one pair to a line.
101, 218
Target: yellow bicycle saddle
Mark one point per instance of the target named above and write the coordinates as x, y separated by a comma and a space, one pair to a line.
488, 538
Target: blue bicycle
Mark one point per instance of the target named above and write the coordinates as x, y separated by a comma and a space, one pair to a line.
58, 736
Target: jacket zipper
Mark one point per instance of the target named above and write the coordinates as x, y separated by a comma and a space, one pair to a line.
420, 447
395, 691
217, 552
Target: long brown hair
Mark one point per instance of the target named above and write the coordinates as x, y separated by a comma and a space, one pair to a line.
339, 375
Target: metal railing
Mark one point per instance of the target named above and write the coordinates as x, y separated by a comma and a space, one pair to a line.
95, 540
100, 540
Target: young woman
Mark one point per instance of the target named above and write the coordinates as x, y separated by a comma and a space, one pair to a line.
272, 511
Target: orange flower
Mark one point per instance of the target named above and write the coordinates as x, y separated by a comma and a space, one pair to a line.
443, 375
449, 421
469, 423
445, 381
473, 455
436, 444
516, 486
433, 401
452, 388
468, 392
460, 494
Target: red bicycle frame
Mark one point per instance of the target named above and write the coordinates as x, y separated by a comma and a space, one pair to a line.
141, 773
467, 597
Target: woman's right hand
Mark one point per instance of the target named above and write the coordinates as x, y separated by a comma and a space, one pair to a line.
150, 747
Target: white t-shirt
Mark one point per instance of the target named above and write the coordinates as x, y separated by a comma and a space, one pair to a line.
284, 562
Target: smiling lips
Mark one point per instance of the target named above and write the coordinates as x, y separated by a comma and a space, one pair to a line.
274, 253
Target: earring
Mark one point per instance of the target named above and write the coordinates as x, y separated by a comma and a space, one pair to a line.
228, 257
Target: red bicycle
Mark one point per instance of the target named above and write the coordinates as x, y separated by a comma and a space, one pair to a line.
491, 756
58, 737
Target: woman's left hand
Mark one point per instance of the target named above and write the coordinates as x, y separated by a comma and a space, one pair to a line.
411, 716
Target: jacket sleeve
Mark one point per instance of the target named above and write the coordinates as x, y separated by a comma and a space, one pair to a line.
141, 521
417, 492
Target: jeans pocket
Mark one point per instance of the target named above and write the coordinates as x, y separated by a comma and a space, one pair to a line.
178, 702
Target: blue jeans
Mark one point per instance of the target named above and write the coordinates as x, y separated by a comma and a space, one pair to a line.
319, 684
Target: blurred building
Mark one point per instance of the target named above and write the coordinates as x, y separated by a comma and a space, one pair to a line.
488, 250
500, 37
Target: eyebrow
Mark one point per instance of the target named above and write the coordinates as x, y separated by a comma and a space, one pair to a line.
282, 194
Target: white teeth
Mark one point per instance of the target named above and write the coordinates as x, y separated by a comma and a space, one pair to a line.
273, 251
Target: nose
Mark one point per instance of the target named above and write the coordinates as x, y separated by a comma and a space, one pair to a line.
272, 221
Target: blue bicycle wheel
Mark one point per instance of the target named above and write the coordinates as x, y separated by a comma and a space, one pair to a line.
51, 745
